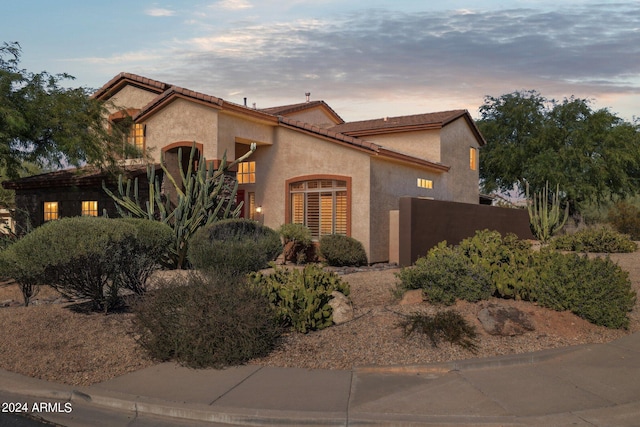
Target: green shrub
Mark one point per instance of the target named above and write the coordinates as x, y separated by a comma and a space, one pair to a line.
234, 246
80, 257
506, 259
339, 250
597, 290
301, 297
206, 321
150, 247
447, 325
445, 275
595, 239
298, 246
625, 218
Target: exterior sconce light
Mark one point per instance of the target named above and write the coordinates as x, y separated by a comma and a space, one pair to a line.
259, 209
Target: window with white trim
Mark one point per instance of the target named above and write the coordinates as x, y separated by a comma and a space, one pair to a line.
321, 205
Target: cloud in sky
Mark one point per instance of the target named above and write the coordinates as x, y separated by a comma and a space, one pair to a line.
381, 56
160, 12
386, 58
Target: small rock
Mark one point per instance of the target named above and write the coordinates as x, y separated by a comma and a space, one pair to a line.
342, 309
414, 296
504, 321
6, 303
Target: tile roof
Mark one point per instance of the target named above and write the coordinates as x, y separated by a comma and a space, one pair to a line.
434, 120
370, 146
283, 110
124, 78
84, 176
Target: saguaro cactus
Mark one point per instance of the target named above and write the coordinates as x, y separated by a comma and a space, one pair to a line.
545, 216
204, 199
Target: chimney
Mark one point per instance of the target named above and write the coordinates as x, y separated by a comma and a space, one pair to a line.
308, 95
254, 106
245, 101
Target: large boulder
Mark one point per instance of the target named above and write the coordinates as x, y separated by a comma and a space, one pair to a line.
342, 308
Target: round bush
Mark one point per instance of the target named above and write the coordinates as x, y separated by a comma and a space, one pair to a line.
339, 250
206, 321
597, 290
595, 239
81, 257
234, 246
445, 275
150, 250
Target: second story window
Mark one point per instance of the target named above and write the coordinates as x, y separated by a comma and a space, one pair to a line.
136, 136
473, 158
246, 173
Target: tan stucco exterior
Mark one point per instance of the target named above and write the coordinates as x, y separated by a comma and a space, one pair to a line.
379, 167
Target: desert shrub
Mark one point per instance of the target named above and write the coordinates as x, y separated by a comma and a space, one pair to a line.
506, 259
625, 218
206, 320
595, 239
235, 246
301, 297
447, 326
80, 257
298, 246
445, 274
339, 250
150, 246
597, 290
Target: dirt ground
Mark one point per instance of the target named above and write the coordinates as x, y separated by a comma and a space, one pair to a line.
57, 342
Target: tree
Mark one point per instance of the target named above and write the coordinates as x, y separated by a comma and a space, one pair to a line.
593, 156
49, 125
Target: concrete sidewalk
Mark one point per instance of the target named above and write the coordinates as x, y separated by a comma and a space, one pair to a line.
585, 385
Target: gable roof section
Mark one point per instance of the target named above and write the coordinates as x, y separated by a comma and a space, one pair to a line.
361, 144
123, 79
410, 123
285, 110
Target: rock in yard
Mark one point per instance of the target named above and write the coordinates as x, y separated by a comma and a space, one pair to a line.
342, 309
504, 321
414, 296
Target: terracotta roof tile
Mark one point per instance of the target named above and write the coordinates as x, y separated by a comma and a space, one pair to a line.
115, 82
330, 134
434, 120
84, 176
293, 108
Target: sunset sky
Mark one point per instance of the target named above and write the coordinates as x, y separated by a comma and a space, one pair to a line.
366, 59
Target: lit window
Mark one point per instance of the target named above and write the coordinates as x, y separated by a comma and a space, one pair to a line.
50, 211
136, 137
89, 208
321, 205
425, 183
473, 158
246, 173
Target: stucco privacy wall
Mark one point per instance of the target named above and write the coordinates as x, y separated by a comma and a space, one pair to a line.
424, 144
462, 181
390, 181
425, 223
298, 155
130, 97
180, 121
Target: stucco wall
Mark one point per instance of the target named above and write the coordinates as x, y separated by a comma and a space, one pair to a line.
314, 116
232, 129
295, 154
424, 144
462, 182
130, 97
182, 120
389, 182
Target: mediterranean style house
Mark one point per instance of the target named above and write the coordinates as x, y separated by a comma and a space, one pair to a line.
309, 167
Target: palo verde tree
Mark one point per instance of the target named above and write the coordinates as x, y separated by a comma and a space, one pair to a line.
44, 123
593, 156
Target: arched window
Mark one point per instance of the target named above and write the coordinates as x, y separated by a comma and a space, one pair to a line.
322, 204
